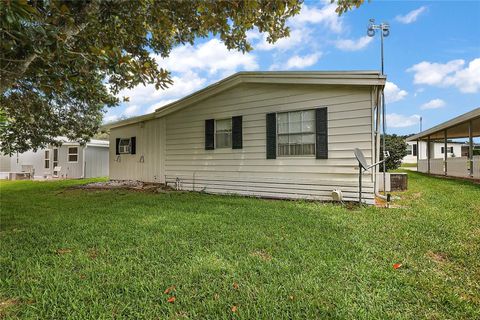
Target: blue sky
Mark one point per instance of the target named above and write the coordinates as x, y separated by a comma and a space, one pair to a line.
432, 58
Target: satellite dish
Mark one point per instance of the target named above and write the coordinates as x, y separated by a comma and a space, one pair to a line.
361, 158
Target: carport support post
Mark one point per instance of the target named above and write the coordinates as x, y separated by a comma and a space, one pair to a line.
445, 149
428, 154
470, 146
418, 151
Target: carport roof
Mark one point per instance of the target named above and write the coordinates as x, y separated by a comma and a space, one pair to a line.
456, 128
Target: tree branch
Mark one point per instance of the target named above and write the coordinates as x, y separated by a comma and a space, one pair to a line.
69, 31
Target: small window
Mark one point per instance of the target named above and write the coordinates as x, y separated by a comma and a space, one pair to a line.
223, 133
47, 159
124, 145
55, 158
296, 133
72, 154
443, 150
409, 149
451, 149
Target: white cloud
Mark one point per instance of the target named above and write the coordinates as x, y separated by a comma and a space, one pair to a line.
211, 56
447, 74
301, 28
325, 16
393, 93
110, 118
433, 104
183, 84
131, 110
297, 37
468, 79
395, 120
159, 104
298, 62
353, 45
434, 73
412, 16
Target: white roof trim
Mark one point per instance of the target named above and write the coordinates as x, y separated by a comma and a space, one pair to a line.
365, 78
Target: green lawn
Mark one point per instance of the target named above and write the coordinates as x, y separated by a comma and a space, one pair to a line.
409, 165
111, 254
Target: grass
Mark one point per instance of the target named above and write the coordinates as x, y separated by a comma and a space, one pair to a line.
76, 254
408, 165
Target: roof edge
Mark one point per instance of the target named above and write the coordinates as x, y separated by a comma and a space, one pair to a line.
358, 77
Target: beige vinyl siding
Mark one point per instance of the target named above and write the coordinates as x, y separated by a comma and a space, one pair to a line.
247, 171
96, 162
148, 162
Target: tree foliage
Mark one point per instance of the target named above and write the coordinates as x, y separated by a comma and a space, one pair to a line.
63, 62
397, 147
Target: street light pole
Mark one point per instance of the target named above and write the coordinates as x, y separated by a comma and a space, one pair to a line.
385, 31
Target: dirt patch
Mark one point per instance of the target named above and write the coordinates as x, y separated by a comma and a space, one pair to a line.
437, 256
63, 251
262, 254
5, 304
93, 253
125, 185
416, 195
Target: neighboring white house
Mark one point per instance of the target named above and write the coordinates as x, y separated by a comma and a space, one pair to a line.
73, 160
454, 149
266, 134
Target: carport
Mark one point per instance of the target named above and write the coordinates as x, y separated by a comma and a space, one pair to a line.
464, 126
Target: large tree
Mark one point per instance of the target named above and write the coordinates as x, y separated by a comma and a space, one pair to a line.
63, 62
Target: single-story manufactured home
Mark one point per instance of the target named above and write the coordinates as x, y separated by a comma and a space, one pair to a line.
414, 149
70, 160
265, 134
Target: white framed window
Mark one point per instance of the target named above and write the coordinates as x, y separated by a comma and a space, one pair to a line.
124, 145
223, 133
72, 154
55, 158
47, 159
296, 133
409, 149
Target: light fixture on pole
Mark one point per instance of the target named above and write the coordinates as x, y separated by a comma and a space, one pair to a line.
384, 29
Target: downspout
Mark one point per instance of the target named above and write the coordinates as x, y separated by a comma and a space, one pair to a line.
84, 162
377, 143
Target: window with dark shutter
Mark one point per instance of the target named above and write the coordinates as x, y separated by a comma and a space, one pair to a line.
415, 150
237, 132
321, 121
271, 125
443, 150
117, 146
133, 146
209, 134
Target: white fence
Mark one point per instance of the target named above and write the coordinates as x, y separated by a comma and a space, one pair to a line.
476, 167
422, 165
457, 167
436, 166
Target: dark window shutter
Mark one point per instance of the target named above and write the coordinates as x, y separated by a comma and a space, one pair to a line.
271, 135
414, 150
209, 134
321, 122
237, 132
443, 149
117, 146
451, 149
133, 146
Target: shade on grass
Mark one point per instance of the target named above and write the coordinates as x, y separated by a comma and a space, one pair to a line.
111, 254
